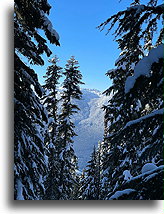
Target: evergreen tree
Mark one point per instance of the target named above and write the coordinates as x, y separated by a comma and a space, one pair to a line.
68, 159
90, 184
29, 114
133, 118
148, 185
51, 103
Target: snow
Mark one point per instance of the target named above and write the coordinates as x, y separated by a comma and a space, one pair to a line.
111, 71
61, 155
46, 160
19, 190
150, 176
148, 167
121, 64
48, 25
152, 171
121, 193
34, 165
156, 129
143, 150
51, 120
138, 105
51, 146
143, 67
127, 175
132, 122
89, 122
160, 82
138, 8
149, 171
31, 186
41, 181
119, 58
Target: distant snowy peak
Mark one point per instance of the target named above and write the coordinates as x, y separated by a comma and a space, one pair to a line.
86, 91
94, 91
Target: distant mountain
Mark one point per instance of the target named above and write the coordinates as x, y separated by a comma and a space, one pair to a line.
89, 124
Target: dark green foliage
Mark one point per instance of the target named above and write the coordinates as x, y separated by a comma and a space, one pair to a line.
51, 101
67, 157
90, 182
133, 126
29, 115
145, 186
133, 120
136, 23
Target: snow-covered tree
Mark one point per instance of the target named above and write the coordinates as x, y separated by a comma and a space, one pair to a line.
50, 101
148, 185
133, 118
29, 114
90, 186
68, 159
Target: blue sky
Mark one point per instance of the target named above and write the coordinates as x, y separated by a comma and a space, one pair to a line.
76, 23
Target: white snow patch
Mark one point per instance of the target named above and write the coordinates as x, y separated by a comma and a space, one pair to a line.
127, 175
143, 67
132, 122
48, 25
19, 190
156, 129
121, 193
51, 146
148, 167
46, 160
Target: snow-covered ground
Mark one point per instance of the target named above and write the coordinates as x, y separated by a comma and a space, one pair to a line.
89, 124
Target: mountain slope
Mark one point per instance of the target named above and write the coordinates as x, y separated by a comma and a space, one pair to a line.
89, 124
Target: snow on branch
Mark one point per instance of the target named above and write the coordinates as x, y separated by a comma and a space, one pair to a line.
137, 8
51, 34
132, 122
143, 67
121, 193
140, 8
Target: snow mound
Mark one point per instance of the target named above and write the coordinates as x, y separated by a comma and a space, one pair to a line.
148, 167
127, 175
121, 193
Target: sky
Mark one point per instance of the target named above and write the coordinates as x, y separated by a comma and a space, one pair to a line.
76, 22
